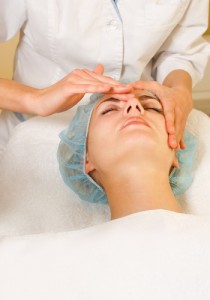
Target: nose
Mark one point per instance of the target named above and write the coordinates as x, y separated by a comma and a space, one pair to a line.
133, 107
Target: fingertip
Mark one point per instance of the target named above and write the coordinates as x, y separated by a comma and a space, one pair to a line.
172, 142
99, 69
182, 145
129, 87
122, 89
170, 127
137, 85
104, 88
173, 145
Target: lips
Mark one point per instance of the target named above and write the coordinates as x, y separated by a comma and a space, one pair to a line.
134, 121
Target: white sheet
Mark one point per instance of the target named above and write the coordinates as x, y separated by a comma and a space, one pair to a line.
150, 255
34, 199
153, 255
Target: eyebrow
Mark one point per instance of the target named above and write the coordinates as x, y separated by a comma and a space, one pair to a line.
109, 99
146, 97
141, 97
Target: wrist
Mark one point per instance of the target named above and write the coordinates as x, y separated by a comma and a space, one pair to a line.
186, 93
179, 79
181, 82
30, 101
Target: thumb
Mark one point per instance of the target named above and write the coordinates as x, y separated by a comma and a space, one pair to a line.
99, 69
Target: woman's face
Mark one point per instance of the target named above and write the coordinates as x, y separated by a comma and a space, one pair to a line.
124, 130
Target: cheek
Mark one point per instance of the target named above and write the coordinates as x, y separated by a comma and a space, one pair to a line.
168, 153
98, 139
160, 128
164, 135
161, 135
102, 146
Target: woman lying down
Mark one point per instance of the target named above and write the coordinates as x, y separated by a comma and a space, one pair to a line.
116, 150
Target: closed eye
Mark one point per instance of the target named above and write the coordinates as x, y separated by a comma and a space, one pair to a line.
152, 104
158, 110
109, 105
108, 110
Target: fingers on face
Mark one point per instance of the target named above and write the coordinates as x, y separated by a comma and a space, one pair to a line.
170, 122
88, 88
175, 122
84, 76
180, 124
152, 86
172, 141
175, 127
93, 76
182, 144
120, 97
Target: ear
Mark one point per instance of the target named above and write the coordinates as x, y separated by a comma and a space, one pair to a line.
89, 167
175, 163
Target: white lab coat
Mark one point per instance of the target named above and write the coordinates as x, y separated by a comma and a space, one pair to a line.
59, 36
136, 39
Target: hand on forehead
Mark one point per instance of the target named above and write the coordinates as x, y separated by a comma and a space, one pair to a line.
136, 93
143, 96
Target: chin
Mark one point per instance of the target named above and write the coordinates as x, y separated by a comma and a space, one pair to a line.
137, 146
140, 140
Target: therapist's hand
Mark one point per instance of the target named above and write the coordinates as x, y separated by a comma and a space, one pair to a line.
177, 104
70, 90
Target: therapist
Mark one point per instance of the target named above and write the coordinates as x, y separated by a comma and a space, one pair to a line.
157, 44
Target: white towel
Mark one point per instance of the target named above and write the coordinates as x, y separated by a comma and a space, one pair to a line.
34, 199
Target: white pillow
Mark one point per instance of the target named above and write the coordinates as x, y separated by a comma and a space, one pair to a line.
33, 197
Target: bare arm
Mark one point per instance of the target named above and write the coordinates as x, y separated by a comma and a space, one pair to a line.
15, 96
60, 96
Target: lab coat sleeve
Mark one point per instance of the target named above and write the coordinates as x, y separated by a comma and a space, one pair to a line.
12, 18
185, 48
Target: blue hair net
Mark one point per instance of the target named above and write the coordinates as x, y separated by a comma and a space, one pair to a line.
72, 154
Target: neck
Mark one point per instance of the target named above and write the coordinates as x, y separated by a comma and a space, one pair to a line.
129, 194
